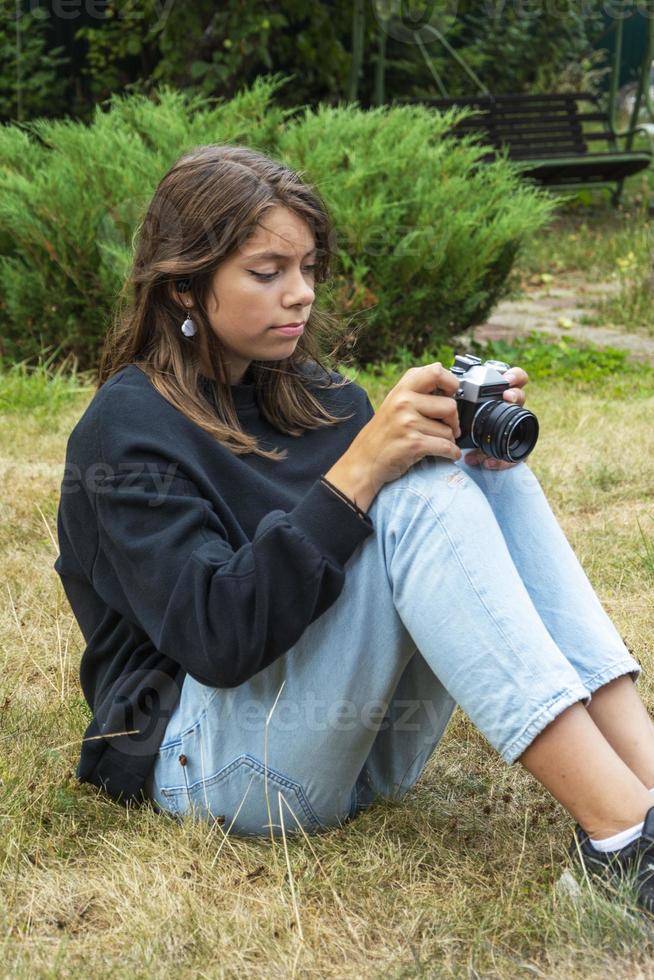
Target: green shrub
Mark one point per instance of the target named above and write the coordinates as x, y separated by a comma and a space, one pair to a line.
32, 72
204, 47
128, 46
71, 196
527, 47
425, 235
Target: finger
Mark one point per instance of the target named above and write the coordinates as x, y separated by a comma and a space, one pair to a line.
514, 395
438, 407
442, 447
476, 458
436, 429
516, 377
429, 378
497, 464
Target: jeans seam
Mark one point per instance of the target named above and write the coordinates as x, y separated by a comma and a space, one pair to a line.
611, 673
176, 740
252, 763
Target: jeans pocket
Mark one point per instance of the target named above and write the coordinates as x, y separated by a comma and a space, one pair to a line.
247, 797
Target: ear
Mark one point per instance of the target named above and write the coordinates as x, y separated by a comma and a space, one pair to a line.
181, 297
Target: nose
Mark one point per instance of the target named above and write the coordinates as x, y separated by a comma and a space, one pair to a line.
297, 291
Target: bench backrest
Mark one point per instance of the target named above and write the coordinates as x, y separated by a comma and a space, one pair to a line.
532, 126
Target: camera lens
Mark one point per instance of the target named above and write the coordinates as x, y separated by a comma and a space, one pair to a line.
504, 431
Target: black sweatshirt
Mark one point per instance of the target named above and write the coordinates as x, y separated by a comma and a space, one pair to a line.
179, 557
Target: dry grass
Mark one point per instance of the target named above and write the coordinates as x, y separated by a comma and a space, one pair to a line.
459, 879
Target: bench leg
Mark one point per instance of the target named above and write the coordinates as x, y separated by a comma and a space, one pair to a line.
617, 193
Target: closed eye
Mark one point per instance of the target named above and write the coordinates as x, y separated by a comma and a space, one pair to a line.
267, 276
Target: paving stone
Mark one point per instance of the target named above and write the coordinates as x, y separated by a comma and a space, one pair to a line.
542, 310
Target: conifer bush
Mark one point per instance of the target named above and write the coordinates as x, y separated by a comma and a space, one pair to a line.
425, 234
71, 196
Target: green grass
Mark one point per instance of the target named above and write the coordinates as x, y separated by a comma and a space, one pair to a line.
591, 240
43, 388
560, 362
459, 879
647, 550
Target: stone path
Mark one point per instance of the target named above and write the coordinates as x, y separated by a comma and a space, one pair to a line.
557, 309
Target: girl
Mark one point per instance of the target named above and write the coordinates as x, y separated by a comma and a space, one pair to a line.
284, 594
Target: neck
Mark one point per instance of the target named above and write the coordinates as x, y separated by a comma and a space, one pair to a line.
235, 376
245, 378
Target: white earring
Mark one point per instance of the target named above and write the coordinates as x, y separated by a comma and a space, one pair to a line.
188, 327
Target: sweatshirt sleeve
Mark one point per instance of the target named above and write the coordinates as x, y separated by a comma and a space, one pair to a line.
222, 614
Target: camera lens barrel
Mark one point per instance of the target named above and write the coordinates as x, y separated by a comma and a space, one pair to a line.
504, 431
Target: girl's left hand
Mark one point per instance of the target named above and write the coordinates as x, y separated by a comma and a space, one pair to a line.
517, 378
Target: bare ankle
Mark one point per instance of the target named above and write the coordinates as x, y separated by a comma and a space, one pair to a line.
600, 829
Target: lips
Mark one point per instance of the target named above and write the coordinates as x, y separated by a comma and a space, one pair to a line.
283, 326
295, 330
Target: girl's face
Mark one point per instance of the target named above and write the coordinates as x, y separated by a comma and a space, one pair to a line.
267, 283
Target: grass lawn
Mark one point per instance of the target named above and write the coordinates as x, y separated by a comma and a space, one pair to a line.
603, 244
459, 879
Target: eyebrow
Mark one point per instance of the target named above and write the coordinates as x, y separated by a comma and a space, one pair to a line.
274, 255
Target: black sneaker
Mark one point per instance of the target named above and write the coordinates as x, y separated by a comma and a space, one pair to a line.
634, 862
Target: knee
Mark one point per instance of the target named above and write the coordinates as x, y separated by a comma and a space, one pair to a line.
424, 478
512, 481
432, 486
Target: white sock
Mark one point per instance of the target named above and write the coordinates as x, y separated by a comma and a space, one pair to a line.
618, 840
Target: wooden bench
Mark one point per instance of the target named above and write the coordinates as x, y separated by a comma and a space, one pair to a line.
549, 137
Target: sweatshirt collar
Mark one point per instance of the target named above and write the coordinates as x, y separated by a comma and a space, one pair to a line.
243, 394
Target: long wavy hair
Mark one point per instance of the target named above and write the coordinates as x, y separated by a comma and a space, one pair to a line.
207, 206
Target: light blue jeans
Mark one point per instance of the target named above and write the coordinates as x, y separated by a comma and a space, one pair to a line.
467, 593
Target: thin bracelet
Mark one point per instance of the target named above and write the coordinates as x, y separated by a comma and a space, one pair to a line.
351, 503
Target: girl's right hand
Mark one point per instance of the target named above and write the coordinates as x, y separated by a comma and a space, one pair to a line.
411, 423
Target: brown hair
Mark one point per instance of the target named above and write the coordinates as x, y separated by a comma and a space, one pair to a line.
207, 205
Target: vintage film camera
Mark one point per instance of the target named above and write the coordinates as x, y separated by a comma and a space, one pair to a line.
489, 423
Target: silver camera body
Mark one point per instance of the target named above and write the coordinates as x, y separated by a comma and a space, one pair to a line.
488, 423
